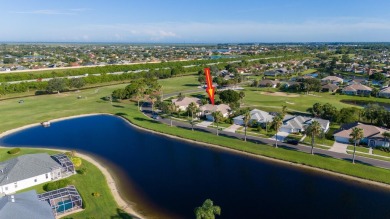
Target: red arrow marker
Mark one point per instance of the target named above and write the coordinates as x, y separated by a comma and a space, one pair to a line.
210, 89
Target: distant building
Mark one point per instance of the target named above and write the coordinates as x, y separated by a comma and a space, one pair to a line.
384, 93
268, 83
330, 88
357, 89
333, 80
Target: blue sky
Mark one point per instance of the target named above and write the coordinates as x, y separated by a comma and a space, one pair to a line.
200, 21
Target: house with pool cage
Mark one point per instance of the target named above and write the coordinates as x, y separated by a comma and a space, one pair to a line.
32, 169
49, 205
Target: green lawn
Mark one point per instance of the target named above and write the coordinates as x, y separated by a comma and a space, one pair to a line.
382, 153
318, 140
358, 148
179, 84
92, 181
309, 71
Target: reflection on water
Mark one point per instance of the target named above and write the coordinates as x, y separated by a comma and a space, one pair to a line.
178, 176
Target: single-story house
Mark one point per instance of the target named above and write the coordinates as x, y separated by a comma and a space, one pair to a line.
182, 103
330, 88
372, 134
358, 81
258, 116
333, 80
208, 109
294, 124
25, 205
33, 169
268, 83
384, 93
272, 73
357, 89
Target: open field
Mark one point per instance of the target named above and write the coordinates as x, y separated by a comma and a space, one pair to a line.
179, 84
92, 181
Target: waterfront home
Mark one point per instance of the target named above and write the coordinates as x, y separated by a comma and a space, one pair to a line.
384, 93
333, 80
357, 89
257, 116
268, 83
63, 200
32, 169
208, 109
295, 124
25, 205
182, 103
372, 134
358, 81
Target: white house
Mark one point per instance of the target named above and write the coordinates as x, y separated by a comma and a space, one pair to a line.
208, 109
293, 124
372, 135
32, 169
259, 116
182, 103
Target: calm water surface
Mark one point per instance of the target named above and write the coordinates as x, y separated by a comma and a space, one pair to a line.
178, 176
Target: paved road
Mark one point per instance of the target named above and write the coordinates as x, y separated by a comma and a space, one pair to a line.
146, 108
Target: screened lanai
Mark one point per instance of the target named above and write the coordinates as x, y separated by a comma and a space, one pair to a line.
63, 200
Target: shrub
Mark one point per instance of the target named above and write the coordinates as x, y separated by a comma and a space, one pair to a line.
385, 149
96, 194
82, 171
14, 151
76, 161
56, 185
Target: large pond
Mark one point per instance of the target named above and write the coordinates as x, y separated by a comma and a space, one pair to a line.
177, 176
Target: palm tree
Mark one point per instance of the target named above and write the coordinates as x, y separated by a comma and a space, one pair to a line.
386, 135
277, 122
171, 108
247, 118
313, 130
192, 107
138, 97
356, 135
284, 110
207, 210
153, 99
241, 95
217, 118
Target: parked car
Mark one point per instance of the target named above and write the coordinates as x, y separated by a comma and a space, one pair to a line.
291, 141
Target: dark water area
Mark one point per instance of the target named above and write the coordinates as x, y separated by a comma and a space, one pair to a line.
178, 176
364, 103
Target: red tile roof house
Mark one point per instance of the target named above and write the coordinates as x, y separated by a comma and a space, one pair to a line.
357, 89
372, 134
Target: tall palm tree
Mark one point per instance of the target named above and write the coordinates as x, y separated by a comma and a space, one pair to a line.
284, 110
356, 135
277, 123
247, 118
192, 107
386, 135
171, 108
217, 118
242, 95
313, 130
208, 210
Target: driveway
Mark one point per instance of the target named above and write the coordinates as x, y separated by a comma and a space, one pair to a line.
204, 124
281, 136
232, 128
339, 147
